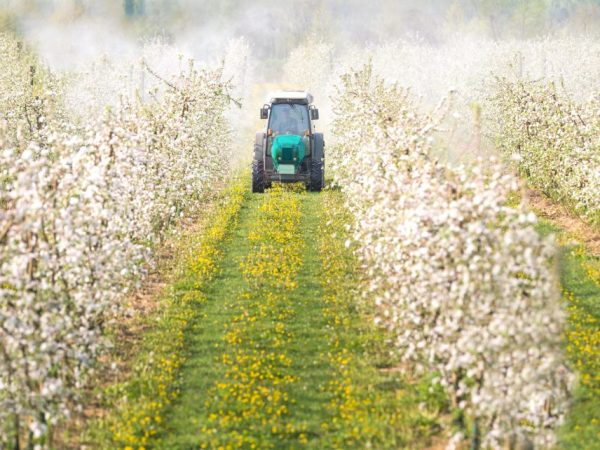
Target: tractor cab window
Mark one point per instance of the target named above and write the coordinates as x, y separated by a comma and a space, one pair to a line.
289, 118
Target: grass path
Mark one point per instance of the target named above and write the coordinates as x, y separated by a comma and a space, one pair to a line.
208, 336
263, 341
580, 281
205, 339
278, 357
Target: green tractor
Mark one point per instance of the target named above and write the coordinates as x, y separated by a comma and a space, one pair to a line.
288, 149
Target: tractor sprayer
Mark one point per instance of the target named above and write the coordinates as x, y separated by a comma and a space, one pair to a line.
288, 149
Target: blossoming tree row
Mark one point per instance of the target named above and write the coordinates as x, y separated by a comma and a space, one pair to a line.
84, 201
552, 140
464, 282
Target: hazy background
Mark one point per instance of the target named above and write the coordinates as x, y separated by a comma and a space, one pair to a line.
431, 46
65, 30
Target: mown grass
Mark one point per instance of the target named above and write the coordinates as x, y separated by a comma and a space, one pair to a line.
204, 340
332, 383
252, 405
580, 281
201, 403
308, 397
134, 405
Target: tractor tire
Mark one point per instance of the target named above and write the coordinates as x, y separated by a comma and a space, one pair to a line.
316, 176
258, 177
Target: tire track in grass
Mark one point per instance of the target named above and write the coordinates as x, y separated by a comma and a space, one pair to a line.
280, 357
249, 407
205, 340
309, 395
258, 372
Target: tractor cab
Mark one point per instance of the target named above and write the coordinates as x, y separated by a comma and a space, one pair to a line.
290, 112
289, 118
289, 149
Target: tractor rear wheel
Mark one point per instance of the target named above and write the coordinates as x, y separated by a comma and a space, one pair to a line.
258, 177
316, 176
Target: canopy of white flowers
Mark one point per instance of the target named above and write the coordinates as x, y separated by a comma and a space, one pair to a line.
464, 282
552, 140
85, 195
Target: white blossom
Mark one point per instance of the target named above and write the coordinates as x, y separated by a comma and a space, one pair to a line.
85, 199
464, 283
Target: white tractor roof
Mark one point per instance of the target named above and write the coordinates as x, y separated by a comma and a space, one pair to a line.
279, 96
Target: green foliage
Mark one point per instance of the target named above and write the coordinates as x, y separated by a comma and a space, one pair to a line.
134, 8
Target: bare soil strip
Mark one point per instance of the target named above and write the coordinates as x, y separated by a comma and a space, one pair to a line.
566, 220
